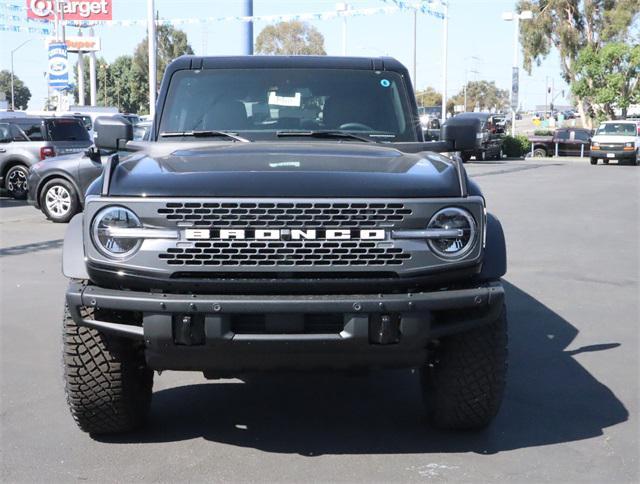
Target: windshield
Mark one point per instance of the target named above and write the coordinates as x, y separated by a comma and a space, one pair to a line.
71, 129
618, 129
259, 103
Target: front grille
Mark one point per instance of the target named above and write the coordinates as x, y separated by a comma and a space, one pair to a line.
611, 146
289, 215
285, 253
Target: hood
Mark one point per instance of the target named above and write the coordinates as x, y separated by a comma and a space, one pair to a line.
612, 138
286, 169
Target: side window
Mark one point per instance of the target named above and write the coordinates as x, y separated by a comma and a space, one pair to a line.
17, 134
582, 135
5, 135
32, 130
562, 135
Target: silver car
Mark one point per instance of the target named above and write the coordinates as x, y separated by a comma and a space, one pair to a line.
25, 141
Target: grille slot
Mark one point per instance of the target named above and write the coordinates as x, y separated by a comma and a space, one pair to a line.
285, 253
302, 324
289, 215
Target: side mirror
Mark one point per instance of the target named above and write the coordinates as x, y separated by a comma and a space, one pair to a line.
112, 132
93, 154
464, 133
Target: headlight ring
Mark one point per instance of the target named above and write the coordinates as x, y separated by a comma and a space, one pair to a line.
104, 232
453, 218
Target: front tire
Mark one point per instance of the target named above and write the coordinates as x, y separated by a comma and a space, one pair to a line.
16, 182
108, 386
59, 200
464, 381
594, 161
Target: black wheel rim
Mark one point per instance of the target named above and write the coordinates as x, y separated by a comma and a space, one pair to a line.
17, 181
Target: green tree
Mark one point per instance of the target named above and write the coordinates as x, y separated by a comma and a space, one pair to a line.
570, 26
290, 38
607, 78
22, 94
429, 97
171, 43
481, 95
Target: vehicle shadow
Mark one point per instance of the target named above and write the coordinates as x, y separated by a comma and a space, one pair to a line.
6, 202
34, 247
550, 398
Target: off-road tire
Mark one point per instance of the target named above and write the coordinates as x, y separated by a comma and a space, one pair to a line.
107, 384
464, 382
539, 153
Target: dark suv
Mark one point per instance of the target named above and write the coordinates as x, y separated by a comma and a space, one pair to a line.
286, 214
26, 140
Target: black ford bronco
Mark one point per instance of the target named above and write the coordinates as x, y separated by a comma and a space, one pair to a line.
286, 215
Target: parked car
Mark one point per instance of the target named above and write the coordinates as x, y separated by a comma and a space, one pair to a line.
57, 185
25, 141
617, 140
570, 142
489, 139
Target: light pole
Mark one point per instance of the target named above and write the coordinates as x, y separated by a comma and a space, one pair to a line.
151, 35
13, 102
466, 77
515, 75
343, 7
445, 42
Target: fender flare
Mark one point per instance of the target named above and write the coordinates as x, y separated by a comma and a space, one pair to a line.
73, 264
494, 263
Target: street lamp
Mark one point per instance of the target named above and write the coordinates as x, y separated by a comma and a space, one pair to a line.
13, 102
515, 78
342, 9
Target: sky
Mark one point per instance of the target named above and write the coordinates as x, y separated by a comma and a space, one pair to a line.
479, 40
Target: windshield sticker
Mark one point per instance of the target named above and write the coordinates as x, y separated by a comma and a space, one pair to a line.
291, 101
385, 82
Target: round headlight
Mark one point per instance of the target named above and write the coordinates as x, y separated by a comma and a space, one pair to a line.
107, 237
456, 219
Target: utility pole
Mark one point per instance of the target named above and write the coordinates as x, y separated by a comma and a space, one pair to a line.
515, 73
151, 35
248, 27
415, 49
92, 74
13, 101
80, 75
342, 9
445, 42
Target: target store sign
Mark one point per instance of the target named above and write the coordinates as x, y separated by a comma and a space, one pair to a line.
70, 9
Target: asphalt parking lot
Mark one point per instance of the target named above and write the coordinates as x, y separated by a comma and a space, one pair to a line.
571, 407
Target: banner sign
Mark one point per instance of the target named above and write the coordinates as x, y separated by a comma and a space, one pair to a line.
514, 88
86, 13
95, 10
78, 44
58, 66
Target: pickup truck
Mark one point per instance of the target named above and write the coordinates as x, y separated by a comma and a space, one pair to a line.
570, 142
285, 214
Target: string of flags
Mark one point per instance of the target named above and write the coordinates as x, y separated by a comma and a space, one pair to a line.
13, 16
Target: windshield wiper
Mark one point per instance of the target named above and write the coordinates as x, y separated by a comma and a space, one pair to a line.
325, 134
203, 134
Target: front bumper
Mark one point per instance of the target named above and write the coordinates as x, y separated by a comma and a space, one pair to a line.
614, 154
214, 345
